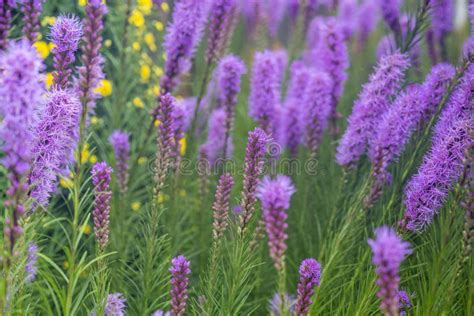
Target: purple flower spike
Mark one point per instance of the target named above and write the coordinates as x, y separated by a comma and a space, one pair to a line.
221, 17
181, 40
119, 141
391, 14
389, 251
5, 18
54, 141
275, 197
180, 269
367, 18
310, 276
65, 35
317, 102
442, 16
101, 175
265, 90
275, 304
371, 104
31, 267
347, 16
115, 305
404, 302
215, 143
221, 205
161, 313
254, 161
31, 10
443, 164
90, 73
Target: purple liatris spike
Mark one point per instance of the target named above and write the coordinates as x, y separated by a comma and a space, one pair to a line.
221, 19
442, 16
65, 35
31, 267
317, 102
265, 90
90, 72
443, 164
121, 146
275, 304
180, 269
5, 18
115, 305
53, 142
391, 14
370, 105
31, 10
101, 175
161, 313
221, 205
181, 39
215, 142
275, 197
404, 302
310, 276
347, 16
254, 162
367, 18
389, 251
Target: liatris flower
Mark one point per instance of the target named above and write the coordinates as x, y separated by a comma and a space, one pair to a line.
221, 16
254, 155
367, 18
119, 141
90, 73
371, 104
161, 313
31, 10
215, 143
467, 202
347, 16
65, 35
275, 197
391, 14
275, 305
31, 267
181, 39
317, 102
404, 302
229, 71
276, 13
115, 305
310, 276
331, 56
389, 251
101, 175
179, 284
221, 205
442, 15
5, 18
443, 164
53, 142
265, 90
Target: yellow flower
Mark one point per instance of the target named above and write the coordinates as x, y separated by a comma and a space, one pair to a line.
145, 73
145, 6
161, 198
138, 102
48, 20
142, 160
182, 146
159, 26
93, 159
136, 18
66, 183
86, 229
66, 265
85, 154
82, 3
42, 48
156, 90
94, 120
136, 206
150, 41
108, 43
136, 46
146, 59
158, 71
157, 123
164, 56
104, 88
48, 80
165, 7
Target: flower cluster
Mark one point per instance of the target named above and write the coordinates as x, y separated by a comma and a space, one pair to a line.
180, 268
101, 176
310, 276
119, 141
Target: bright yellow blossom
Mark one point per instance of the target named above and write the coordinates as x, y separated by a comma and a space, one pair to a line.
66, 182
48, 80
159, 26
104, 88
158, 71
142, 160
145, 73
157, 123
150, 41
165, 7
42, 48
48, 20
136, 206
136, 46
85, 154
93, 159
138, 102
145, 6
86, 229
182, 146
94, 120
108, 43
82, 3
136, 18
156, 90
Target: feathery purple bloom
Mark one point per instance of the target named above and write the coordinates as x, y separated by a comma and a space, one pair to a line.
65, 35
254, 161
310, 276
101, 176
181, 39
391, 14
31, 10
404, 302
265, 90
347, 17
161, 313
31, 267
442, 15
370, 105
180, 269
90, 72
367, 18
221, 205
5, 18
389, 251
221, 16
275, 197
115, 305
121, 146
275, 304
443, 164
53, 142
215, 142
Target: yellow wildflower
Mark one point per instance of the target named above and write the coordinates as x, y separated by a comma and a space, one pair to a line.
48, 80
158, 71
66, 183
86, 229
157, 123
145, 6
165, 7
182, 146
161, 198
104, 88
164, 56
145, 73
93, 159
142, 160
136, 46
156, 90
82, 3
136, 206
42, 48
136, 18
94, 120
138, 102
150, 41
48, 20
85, 154
66, 265
108, 43
159, 26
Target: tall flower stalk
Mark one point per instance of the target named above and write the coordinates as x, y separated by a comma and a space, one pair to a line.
121, 146
31, 10
310, 276
6, 7
180, 269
